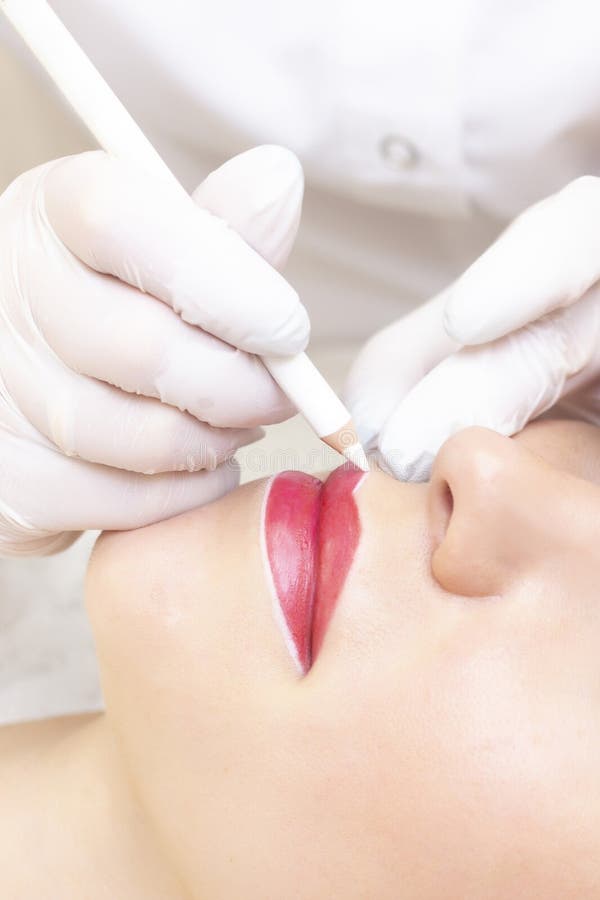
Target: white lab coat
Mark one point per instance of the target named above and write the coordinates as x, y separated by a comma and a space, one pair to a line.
423, 127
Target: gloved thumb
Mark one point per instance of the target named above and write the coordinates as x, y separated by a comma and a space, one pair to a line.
501, 385
259, 194
545, 260
391, 363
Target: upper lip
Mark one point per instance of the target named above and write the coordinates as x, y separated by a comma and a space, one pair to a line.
311, 531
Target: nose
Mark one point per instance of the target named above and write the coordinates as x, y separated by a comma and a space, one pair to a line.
488, 507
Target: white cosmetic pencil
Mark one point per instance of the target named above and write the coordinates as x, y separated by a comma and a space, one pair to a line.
117, 133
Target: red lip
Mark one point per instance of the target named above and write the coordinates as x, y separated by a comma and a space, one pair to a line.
311, 531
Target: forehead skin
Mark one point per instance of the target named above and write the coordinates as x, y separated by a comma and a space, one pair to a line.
440, 747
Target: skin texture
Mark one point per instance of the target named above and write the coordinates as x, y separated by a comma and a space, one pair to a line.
444, 744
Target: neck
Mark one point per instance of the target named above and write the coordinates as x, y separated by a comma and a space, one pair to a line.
64, 782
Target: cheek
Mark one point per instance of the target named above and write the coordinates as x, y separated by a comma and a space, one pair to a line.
507, 708
184, 603
571, 446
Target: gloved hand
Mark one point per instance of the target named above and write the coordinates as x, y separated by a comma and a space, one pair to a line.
122, 305
519, 331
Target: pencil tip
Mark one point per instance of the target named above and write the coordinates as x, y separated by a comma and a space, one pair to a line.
357, 456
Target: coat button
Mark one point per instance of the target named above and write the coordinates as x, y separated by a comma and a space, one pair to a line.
398, 152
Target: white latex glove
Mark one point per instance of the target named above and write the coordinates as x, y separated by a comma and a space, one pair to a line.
529, 311
114, 411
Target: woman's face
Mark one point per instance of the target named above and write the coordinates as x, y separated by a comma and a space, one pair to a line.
445, 742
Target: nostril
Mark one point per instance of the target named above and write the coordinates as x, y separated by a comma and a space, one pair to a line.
448, 499
480, 528
441, 507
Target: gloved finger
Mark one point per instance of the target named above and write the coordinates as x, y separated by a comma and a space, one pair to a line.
501, 385
138, 344
32, 543
112, 332
77, 496
259, 194
122, 222
391, 363
547, 258
94, 421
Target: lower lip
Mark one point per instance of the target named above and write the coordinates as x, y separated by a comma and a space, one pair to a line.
311, 531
